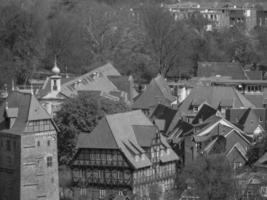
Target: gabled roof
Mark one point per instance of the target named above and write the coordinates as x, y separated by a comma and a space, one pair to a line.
247, 119
129, 132
214, 96
240, 149
205, 111
26, 108
164, 113
231, 69
157, 92
104, 78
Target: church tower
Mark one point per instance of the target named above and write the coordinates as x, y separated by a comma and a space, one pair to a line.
55, 79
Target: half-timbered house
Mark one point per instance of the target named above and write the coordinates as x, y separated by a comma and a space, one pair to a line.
124, 155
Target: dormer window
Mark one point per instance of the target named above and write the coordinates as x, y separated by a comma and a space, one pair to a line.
137, 158
195, 109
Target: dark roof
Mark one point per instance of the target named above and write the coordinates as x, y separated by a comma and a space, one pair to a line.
144, 134
165, 113
204, 113
156, 92
100, 138
27, 108
230, 69
214, 96
181, 129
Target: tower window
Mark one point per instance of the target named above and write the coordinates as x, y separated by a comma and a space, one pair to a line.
48, 142
55, 85
38, 143
49, 161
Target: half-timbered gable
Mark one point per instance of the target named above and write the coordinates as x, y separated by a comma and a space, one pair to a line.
125, 153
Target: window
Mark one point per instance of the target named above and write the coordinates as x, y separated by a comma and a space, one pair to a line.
264, 191
195, 108
260, 119
102, 194
49, 161
55, 85
38, 143
8, 145
48, 142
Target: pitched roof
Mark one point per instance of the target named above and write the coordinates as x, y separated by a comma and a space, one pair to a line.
247, 119
95, 80
26, 108
156, 92
164, 113
230, 69
205, 111
254, 75
256, 99
130, 132
214, 96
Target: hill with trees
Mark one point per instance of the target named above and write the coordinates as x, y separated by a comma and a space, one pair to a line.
140, 38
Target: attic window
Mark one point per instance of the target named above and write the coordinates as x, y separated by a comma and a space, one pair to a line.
260, 119
195, 108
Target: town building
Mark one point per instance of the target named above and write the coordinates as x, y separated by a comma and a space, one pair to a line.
28, 150
123, 156
211, 136
222, 15
105, 79
220, 98
157, 92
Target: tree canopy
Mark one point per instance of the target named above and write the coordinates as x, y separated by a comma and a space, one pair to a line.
140, 38
212, 178
81, 114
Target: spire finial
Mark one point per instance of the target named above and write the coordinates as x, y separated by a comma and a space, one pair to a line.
55, 69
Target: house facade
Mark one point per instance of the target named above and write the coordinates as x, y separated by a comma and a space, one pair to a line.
28, 150
126, 158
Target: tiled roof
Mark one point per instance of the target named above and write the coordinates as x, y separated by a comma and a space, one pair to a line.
256, 99
254, 75
129, 132
214, 96
247, 119
157, 92
95, 80
208, 69
28, 108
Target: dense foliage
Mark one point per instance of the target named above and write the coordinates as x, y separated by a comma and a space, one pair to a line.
81, 114
140, 39
212, 177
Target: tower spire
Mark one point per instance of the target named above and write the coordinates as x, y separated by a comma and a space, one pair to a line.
55, 69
